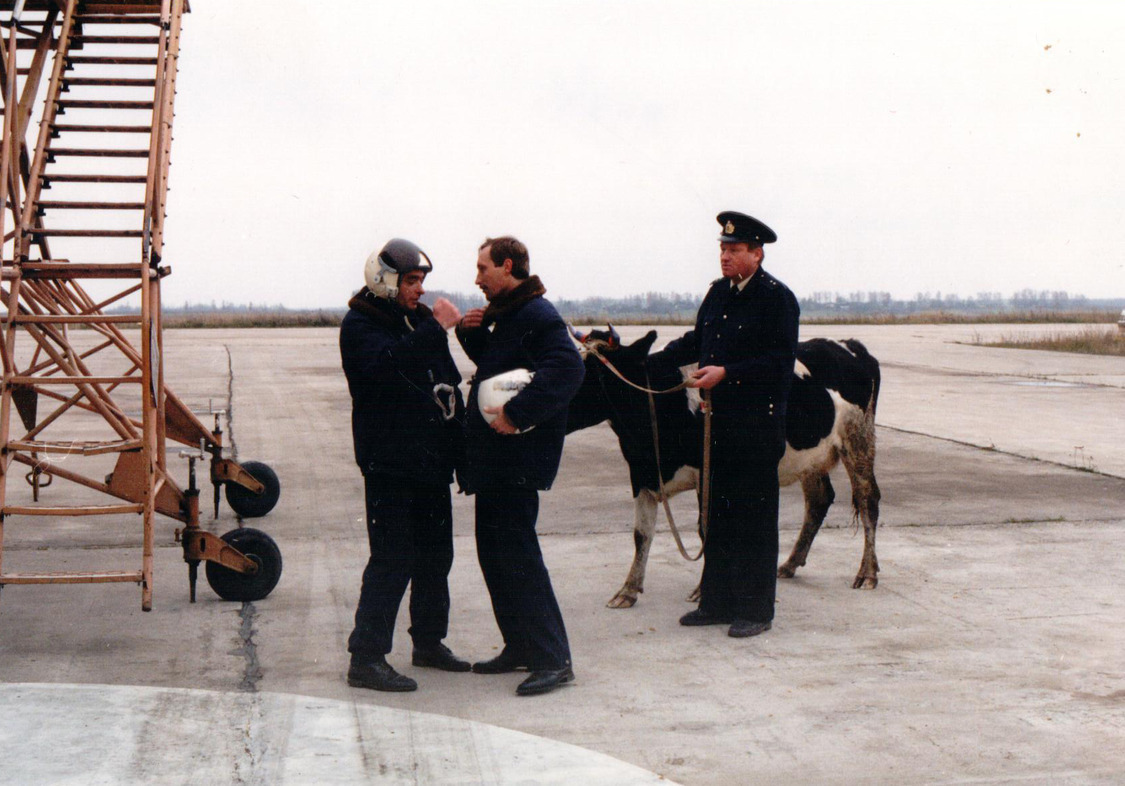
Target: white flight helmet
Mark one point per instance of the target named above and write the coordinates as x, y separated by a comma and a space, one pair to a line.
384, 268
500, 389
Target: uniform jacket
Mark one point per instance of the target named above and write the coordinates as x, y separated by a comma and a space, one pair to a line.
753, 334
521, 329
393, 359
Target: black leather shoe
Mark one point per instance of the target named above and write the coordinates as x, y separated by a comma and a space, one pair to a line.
375, 673
545, 681
742, 629
501, 664
701, 617
438, 656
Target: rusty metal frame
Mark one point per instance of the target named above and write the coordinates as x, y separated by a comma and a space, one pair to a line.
80, 381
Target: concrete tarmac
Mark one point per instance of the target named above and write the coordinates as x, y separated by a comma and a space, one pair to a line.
990, 651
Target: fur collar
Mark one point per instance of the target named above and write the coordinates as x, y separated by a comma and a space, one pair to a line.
387, 313
510, 301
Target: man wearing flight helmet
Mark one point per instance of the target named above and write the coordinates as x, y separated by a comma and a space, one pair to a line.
407, 416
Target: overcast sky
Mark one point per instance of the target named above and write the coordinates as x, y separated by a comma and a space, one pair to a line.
894, 146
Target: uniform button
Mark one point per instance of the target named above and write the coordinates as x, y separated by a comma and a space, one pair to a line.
724, 316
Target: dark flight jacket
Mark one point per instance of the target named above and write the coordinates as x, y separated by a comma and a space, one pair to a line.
524, 332
393, 360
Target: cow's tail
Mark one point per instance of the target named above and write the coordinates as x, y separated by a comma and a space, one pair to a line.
871, 366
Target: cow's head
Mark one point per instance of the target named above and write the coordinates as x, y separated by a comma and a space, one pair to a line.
601, 390
601, 340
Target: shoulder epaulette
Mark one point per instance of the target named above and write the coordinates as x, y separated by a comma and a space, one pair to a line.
769, 281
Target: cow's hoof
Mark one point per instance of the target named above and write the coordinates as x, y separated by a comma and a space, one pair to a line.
786, 571
865, 582
622, 601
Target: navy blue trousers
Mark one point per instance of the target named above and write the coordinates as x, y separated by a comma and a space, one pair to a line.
740, 553
410, 530
523, 600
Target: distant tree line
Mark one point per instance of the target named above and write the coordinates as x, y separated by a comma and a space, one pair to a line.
870, 303
680, 308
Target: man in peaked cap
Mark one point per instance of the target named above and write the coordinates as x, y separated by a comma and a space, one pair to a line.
745, 342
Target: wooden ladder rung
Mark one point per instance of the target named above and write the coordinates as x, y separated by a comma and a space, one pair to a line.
72, 103
76, 448
35, 271
86, 232
51, 204
67, 178
92, 577
93, 59
97, 152
74, 319
114, 39
84, 81
87, 510
81, 128
116, 19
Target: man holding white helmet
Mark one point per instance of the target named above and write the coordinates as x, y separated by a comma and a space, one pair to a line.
519, 340
407, 417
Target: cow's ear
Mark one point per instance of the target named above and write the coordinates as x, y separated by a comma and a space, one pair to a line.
644, 344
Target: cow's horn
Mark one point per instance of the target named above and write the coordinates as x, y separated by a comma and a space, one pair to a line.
579, 337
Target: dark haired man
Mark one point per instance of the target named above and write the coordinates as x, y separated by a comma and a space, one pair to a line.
745, 342
407, 418
511, 459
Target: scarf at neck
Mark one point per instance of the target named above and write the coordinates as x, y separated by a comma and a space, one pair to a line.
507, 302
387, 312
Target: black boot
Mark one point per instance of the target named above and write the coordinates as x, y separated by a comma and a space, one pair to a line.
503, 663
375, 673
701, 617
742, 629
438, 656
545, 681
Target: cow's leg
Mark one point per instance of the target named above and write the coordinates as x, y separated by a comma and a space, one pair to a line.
644, 525
859, 461
818, 498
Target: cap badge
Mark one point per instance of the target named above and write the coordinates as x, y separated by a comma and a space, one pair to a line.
729, 228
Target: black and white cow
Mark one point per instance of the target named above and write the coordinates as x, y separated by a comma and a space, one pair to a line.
831, 418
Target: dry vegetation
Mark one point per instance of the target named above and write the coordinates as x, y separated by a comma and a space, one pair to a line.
1025, 317
1091, 341
252, 319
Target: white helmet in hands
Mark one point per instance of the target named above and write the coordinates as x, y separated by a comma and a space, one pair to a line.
499, 390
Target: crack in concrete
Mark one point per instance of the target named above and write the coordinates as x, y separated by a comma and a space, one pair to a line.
231, 444
248, 649
994, 449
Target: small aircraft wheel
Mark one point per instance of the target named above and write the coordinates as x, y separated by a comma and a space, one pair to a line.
257, 546
245, 502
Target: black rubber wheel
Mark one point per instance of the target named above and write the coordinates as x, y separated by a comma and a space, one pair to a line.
259, 547
245, 502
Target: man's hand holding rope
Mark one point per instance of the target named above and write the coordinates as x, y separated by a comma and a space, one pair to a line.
707, 377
